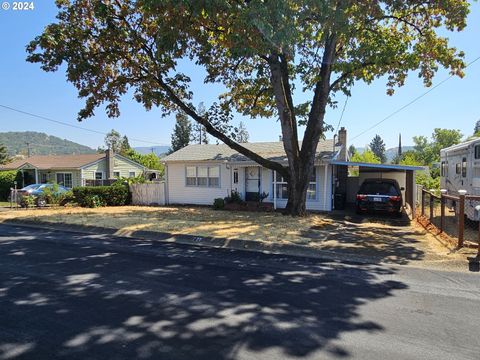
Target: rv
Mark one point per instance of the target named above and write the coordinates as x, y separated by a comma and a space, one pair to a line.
460, 170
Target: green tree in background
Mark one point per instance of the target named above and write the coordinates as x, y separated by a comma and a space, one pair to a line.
410, 158
377, 146
150, 161
124, 145
428, 152
352, 150
4, 158
368, 156
476, 130
113, 140
261, 53
182, 132
199, 133
241, 133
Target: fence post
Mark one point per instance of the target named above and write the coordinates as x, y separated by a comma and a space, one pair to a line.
442, 209
432, 204
461, 217
423, 202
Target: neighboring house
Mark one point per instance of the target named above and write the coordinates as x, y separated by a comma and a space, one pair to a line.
75, 170
197, 174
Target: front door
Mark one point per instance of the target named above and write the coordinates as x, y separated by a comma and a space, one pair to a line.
252, 183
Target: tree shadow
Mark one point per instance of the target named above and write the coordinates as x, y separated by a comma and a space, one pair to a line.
75, 297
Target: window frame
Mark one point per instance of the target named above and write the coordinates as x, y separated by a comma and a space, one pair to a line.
208, 182
116, 174
476, 151
282, 183
96, 173
235, 176
458, 168
130, 174
42, 180
64, 182
464, 167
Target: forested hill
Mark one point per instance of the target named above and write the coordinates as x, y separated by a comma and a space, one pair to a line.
40, 144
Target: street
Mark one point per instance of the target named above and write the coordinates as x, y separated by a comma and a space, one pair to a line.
73, 296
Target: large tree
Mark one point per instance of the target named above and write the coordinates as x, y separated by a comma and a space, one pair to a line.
182, 132
377, 146
257, 50
241, 133
199, 133
113, 140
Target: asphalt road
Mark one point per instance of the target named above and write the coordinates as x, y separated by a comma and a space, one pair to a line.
71, 296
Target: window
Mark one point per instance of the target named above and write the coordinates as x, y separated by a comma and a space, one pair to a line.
98, 175
131, 174
214, 176
458, 168
235, 176
312, 187
464, 167
116, 174
442, 169
43, 178
282, 188
65, 179
191, 176
203, 176
477, 152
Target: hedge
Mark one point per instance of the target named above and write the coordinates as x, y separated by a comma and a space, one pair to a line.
92, 196
6, 182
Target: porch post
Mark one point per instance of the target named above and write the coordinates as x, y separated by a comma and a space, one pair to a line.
36, 176
274, 189
325, 187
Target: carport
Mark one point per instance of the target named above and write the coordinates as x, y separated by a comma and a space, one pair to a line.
349, 185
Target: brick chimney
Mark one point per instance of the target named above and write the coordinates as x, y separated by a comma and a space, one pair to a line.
342, 141
110, 156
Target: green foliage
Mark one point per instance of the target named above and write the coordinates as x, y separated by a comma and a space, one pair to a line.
115, 195
218, 204
352, 150
428, 182
27, 201
366, 157
182, 132
410, 158
113, 140
241, 133
93, 201
199, 134
7, 179
150, 161
51, 195
262, 196
428, 152
4, 158
234, 198
377, 146
40, 144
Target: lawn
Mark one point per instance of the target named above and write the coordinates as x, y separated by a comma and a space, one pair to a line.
4, 204
399, 244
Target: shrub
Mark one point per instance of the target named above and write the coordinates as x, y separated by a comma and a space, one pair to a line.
6, 182
218, 204
92, 201
115, 195
27, 201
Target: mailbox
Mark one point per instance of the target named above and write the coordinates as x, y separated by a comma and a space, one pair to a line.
476, 213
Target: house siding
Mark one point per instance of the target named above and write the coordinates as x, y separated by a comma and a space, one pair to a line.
180, 193
120, 165
52, 177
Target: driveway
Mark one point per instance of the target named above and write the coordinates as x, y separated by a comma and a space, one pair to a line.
72, 296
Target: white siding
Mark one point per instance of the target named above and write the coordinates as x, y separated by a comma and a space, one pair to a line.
323, 200
179, 193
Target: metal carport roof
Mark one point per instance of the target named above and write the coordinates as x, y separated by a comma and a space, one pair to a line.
389, 167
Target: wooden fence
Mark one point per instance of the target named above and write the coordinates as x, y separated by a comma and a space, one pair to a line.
148, 194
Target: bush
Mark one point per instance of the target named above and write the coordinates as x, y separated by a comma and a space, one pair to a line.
6, 182
27, 201
218, 204
115, 195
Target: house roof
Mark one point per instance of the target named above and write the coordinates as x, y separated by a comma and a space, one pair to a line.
54, 161
270, 150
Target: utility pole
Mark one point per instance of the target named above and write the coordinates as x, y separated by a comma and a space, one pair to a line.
28, 149
400, 146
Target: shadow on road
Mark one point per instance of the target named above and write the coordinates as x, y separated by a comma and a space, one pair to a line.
80, 300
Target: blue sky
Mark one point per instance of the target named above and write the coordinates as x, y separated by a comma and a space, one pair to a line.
454, 105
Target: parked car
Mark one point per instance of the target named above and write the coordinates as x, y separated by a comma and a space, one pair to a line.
380, 195
38, 190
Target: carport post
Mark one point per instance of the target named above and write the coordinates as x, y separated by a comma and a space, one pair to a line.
432, 203
442, 209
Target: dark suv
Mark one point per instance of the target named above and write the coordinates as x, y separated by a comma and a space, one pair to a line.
383, 195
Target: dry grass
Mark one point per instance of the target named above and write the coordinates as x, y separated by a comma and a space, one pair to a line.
399, 244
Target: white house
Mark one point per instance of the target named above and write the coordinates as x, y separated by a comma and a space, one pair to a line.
197, 174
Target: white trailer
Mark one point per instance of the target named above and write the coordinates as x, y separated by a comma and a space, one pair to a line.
460, 170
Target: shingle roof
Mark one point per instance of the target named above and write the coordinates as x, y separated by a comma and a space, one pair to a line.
54, 161
269, 150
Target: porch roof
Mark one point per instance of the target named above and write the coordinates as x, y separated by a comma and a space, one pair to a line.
273, 151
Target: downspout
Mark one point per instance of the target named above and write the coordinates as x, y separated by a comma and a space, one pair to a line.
274, 189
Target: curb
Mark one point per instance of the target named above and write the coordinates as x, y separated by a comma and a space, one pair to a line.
232, 244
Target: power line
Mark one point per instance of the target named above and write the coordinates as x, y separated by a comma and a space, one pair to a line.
71, 125
411, 102
341, 115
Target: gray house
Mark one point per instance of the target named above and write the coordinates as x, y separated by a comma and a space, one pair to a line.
75, 170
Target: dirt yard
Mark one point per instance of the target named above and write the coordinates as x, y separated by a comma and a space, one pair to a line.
384, 239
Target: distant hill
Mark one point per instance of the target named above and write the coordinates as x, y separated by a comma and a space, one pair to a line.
158, 150
40, 144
